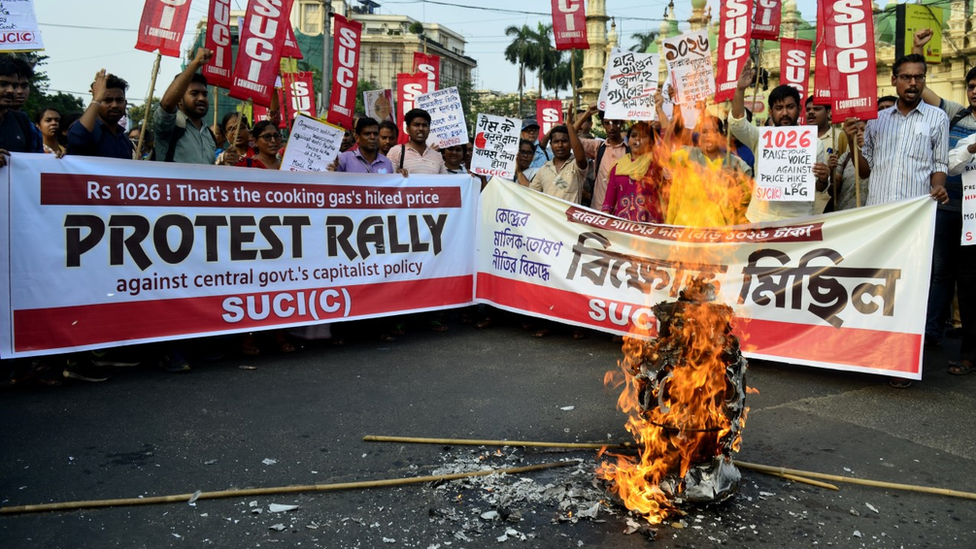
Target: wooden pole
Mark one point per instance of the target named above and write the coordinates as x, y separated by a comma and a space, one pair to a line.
476, 442
857, 174
178, 498
755, 91
778, 471
572, 78
216, 107
137, 154
728, 132
852, 480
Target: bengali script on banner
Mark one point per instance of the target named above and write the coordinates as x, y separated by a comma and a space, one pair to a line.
101, 252
843, 291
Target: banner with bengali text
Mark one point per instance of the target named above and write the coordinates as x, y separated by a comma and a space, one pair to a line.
100, 252
844, 291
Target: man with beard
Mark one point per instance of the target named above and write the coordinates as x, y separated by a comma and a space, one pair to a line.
181, 134
948, 254
16, 134
98, 132
906, 149
784, 110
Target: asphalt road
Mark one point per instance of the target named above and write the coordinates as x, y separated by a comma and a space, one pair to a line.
299, 419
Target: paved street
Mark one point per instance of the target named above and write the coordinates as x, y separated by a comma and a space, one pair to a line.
300, 418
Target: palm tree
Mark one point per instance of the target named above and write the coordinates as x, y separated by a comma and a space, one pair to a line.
644, 40
548, 57
523, 51
560, 78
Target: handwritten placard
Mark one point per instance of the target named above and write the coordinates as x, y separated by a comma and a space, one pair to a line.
496, 145
19, 26
689, 61
969, 205
631, 86
312, 146
601, 101
785, 164
447, 127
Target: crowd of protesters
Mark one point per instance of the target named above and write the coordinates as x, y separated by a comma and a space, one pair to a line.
918, 145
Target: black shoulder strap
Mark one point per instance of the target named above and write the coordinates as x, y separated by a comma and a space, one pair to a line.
403, 154
174, 138
958, 117
599, 156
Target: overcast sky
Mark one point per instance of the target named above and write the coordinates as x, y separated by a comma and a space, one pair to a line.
83, 36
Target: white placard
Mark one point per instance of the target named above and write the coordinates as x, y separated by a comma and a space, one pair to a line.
18, 25
496, 145
632, 83
969, 205
689, 61
312, 145
601, 101
379, 105
785, 164
447, 127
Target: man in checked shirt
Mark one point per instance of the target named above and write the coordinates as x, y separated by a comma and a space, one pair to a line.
906, 149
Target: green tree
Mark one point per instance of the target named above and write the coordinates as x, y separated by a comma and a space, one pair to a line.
136, 113
40, 98
524, 52
548, 58
644, 40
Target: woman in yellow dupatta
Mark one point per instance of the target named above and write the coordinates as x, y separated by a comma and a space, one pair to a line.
634, 183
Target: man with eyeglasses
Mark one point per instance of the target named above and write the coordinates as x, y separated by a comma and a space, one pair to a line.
906, 149
98, 132
948, 257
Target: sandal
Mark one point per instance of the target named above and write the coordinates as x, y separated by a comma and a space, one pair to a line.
249, 347
900, 382
960, 368
284, 345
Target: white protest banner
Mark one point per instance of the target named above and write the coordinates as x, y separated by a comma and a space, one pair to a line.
379, 105
496, 142
969, 205
844, 291
447, 127
689, 62
312, 145
785, 162
104, 252
18, 28
632, 86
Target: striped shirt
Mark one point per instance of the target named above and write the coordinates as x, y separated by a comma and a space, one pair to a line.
904, 151
430, 162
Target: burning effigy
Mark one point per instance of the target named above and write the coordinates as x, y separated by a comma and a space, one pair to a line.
684, 392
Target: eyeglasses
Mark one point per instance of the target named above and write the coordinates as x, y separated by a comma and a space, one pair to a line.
909, 77
270, 136
526, 153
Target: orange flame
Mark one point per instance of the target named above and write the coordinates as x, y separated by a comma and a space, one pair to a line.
677, 415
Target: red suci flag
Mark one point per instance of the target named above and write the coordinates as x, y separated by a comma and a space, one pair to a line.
291, 49
821, 78
735, 30
345, 71
769, 14
849, 39
220, 68
299, 94
794, 64
569, 25
549, 113
259, 50
429, 65
409, 87
162, 25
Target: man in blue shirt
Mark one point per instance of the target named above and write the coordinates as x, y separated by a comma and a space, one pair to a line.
16, 134
365, 158
97, 132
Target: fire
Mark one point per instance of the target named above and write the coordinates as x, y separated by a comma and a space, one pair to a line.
684, 391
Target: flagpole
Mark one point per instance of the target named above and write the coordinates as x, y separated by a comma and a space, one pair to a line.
728, 133
216, 104
137, 154
755, 92
857, 175
572, 78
